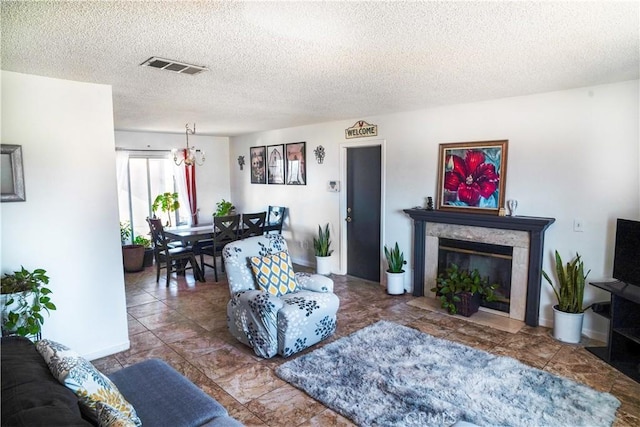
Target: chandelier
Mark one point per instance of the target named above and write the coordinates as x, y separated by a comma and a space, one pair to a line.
191, 156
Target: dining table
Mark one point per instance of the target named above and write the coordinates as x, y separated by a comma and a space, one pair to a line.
189, 234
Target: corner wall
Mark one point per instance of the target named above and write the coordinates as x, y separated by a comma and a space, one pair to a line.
573, 154
68, 224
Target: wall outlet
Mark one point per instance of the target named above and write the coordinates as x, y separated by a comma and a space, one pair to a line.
578, 225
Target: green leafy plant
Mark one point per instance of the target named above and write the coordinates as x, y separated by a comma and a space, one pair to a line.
224, 208
571, 281
395, 259
166, 202
322, 244
454, 281
141, 240
125, 231
27, 299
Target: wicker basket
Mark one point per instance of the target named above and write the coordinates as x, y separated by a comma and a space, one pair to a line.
469, 303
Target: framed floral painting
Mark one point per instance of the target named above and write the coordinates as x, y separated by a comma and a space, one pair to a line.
472, 176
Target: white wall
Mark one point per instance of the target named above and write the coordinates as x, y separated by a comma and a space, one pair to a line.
69, 222
212, 178
572, 154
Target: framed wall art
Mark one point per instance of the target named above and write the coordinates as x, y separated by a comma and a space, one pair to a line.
258, 165
275, 164
472, 176
12, 179
296, 164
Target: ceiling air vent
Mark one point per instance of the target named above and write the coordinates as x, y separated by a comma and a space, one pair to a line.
175, 66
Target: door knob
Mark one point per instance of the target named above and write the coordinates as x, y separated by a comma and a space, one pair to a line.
348, 219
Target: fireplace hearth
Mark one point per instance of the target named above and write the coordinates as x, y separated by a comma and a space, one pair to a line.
525, 235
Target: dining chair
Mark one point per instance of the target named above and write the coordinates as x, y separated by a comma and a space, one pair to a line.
252, 224
174, 259
225, 229
275, 219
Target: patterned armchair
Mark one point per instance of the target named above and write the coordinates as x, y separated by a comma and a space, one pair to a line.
276, 324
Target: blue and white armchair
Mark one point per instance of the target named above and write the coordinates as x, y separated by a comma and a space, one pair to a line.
272, 309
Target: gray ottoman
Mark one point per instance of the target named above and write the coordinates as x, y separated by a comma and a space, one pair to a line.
163, 397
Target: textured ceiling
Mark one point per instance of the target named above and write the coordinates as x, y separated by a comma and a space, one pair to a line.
280, 64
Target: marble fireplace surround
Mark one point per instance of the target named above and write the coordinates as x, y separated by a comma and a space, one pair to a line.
524, 234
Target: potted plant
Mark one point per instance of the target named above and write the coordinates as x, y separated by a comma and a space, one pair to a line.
224, 208
460, 291
395, 272
24, 300
166, 202
322, 247
568, 314
132, 254
148, 250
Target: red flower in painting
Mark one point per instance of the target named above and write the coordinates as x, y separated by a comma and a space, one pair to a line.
470, 177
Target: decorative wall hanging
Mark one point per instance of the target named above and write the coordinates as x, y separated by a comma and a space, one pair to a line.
361, 129
296, 164
319, 152
258, 170
275, 162
472, 176
241, 162
12, 180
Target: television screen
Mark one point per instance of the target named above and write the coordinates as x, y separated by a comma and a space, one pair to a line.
626, 258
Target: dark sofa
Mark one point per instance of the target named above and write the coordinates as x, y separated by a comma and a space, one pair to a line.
32, 396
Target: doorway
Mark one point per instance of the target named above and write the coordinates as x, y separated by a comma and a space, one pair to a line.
362, 209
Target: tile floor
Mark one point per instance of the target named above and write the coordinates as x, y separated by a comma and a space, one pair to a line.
185, 324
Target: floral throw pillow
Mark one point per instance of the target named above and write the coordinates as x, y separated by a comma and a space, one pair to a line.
108, 416
89, 384
274, 273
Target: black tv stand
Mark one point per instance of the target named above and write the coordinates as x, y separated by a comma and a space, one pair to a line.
623, 347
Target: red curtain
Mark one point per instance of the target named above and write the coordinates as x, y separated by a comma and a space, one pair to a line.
190, 175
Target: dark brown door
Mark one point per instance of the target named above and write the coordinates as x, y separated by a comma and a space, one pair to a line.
363, 212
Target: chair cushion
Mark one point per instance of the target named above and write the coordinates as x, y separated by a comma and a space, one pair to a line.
274, 273
89, 384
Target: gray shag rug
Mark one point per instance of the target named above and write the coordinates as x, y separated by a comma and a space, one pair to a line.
391, 375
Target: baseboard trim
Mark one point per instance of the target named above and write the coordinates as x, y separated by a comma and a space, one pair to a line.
108, 351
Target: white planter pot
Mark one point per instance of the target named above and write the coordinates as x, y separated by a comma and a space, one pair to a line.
395, 283
567, 327
323, 265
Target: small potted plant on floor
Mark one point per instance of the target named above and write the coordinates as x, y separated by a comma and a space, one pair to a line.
395, 271
148, 250
461, 291
24, 300
132, 254
568, 314
322, 247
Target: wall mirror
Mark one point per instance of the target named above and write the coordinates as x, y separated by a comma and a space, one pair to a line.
12, 179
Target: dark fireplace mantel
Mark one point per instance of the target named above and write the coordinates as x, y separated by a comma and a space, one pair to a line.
535, 226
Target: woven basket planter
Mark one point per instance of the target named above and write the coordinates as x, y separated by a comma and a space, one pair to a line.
469, 303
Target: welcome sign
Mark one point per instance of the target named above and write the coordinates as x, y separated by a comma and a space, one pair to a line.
361, 129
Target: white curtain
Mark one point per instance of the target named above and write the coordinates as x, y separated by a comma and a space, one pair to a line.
122, 176
181, 186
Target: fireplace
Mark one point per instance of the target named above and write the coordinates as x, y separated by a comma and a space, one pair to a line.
524, 236
493, 263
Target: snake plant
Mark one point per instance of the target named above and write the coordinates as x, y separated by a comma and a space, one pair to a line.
322, 244
570, 288
395, 259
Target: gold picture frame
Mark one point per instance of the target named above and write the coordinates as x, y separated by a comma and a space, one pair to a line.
472, 176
